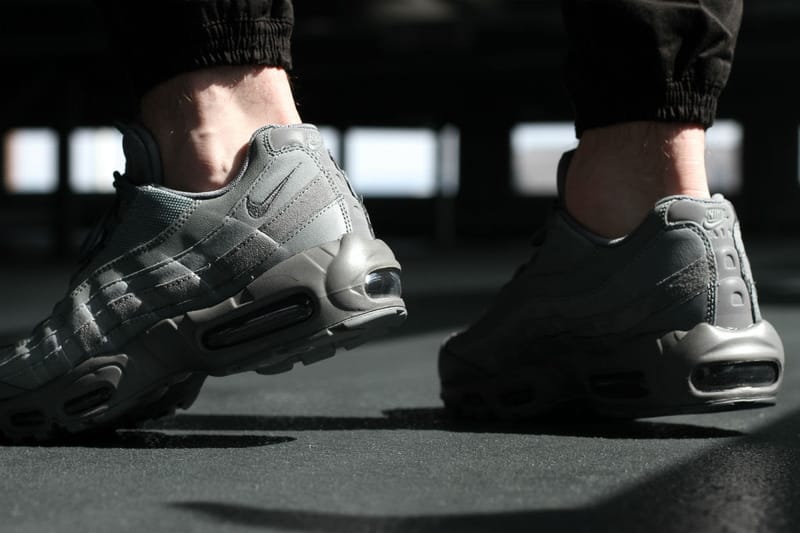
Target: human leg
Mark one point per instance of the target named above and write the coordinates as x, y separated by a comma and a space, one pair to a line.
638, 300
645, 78
620, 171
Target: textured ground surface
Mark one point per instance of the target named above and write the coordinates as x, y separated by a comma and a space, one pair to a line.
359, 443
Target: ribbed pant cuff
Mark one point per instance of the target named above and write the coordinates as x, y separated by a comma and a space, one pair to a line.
243, 42
679, 102
264, 41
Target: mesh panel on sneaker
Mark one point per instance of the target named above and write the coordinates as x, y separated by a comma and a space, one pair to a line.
153, 210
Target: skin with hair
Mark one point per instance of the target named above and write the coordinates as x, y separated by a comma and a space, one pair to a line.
619, 172
203, 120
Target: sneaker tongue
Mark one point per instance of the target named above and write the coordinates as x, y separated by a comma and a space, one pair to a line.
142, 158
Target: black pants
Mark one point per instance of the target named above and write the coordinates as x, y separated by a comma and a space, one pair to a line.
627, 60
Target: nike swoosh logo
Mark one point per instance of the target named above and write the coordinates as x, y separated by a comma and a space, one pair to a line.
259, 209
714, 223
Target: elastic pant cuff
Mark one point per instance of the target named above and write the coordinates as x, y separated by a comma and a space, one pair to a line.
264, 41
680, 102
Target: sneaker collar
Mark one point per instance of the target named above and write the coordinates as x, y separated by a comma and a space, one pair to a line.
142, 157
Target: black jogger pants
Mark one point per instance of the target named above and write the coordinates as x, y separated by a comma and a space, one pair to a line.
627, 60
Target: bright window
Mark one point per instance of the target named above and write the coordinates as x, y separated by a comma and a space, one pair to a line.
724, 156
95, 153
31, 157
535, 151
392, 162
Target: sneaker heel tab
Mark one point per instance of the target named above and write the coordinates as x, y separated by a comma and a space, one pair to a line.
707, 213
281, 137
684, 210
142, 156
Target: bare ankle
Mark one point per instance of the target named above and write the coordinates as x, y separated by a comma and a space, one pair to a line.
203, 120
619, 172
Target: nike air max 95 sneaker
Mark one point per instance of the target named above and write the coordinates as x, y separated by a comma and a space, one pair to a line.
280, 266
662, 321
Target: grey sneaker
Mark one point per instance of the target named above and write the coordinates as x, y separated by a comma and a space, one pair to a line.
281, 266
663, 321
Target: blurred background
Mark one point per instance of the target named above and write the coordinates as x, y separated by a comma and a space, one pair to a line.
432, 106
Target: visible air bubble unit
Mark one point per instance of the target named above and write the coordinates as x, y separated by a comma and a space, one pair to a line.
713, 377
277, 316
384, 283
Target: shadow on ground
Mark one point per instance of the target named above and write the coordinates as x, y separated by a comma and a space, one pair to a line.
156, 440
743, 484
188, 431
437, 419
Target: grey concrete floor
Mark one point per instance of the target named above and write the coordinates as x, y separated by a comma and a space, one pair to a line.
359, 443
